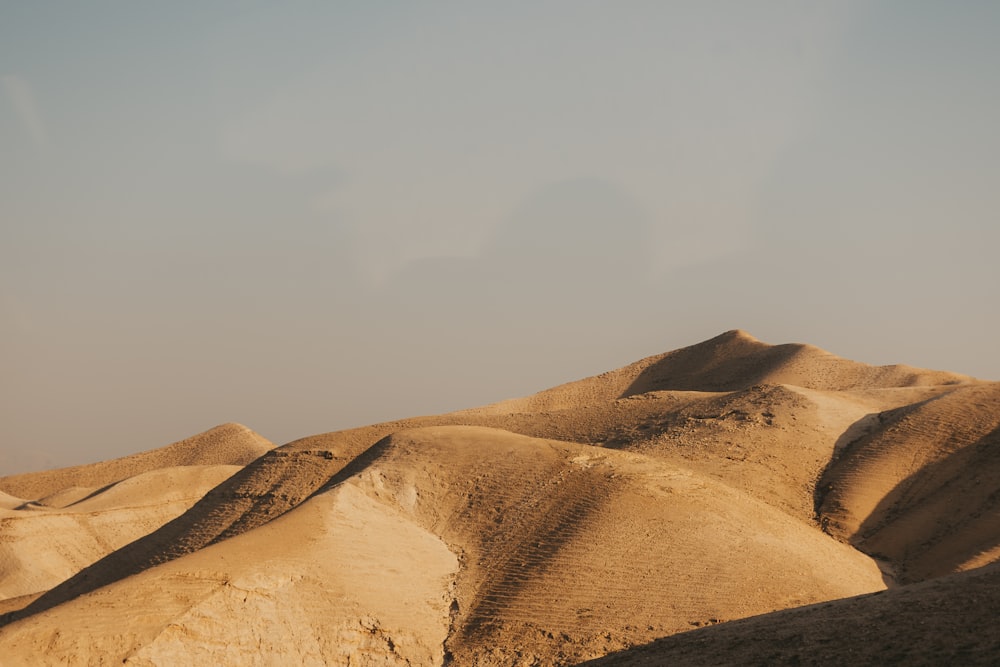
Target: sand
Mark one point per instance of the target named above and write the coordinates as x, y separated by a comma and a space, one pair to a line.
945, 621
629, 518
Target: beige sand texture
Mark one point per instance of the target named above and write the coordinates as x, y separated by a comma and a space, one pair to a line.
636, 548
946, 621
47, 540
724, 480
9, 502
920, 490
342, 580
41, 547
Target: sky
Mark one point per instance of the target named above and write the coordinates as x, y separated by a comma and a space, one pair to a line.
309, 216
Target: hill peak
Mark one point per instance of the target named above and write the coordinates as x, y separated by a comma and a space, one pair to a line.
738, 335
225, 444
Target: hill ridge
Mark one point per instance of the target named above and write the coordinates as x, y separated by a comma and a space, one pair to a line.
225, 444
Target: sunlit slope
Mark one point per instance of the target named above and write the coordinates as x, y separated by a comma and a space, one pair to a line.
343, 579
257, 493
81, 514
9, 502
771, 441
42, 546
920, 488
946, 621
599, 547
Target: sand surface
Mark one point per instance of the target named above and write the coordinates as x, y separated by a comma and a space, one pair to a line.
629, 518
945, 621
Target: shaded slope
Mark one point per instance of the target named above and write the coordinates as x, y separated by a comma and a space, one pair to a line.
922, 490
736, 360
228, 444
946, 621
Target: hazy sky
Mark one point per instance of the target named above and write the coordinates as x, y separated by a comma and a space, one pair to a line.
307, 216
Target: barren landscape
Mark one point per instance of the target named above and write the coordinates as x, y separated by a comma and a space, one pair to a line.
731, 502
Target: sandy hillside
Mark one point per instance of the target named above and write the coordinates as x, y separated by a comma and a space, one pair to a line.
946, 621
228, 444
635, 548
721, 481
42, 547
79, 515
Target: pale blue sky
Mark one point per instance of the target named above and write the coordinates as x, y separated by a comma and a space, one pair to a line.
308, 216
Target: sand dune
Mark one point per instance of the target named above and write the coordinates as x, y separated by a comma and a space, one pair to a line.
721, 481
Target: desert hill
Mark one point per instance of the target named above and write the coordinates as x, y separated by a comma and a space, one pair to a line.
729, 362
724, 480
614, 533
228, 444
939, 622
78, 515
41, 547
920, 489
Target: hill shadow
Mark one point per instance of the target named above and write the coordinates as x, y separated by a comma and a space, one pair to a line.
934, 623
729, 362
940, 516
